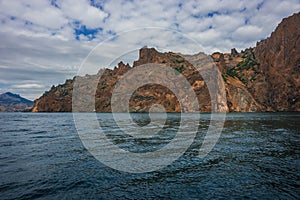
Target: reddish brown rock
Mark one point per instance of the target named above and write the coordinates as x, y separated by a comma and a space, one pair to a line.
58, 99
279, 58
264, 78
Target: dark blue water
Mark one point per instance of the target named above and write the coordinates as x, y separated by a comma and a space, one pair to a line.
257, 157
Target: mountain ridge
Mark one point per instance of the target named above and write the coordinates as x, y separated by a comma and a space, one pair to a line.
10, 102
259, 79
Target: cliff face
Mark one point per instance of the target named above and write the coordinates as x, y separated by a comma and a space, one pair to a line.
264, 78
57, 99
279, 58
239, 70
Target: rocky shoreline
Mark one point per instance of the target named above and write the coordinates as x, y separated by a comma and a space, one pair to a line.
265, 78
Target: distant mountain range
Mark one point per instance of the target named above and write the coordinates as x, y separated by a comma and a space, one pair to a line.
259, 79
10, 102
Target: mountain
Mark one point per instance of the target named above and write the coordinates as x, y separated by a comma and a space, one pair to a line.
10, 102
279, 58
259, 79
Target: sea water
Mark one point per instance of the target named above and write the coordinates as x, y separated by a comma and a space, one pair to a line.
257, 156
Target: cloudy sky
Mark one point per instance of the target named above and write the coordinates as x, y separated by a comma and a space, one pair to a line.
43, 42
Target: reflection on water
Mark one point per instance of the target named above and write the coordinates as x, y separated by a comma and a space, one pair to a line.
126, 138
257, 156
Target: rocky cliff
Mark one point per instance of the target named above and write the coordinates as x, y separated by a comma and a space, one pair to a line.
279, 58
264, 78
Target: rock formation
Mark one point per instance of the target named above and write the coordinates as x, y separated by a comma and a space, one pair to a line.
279, 58
263, 78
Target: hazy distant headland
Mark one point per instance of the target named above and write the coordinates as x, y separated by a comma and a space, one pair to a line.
259, 79
10, 102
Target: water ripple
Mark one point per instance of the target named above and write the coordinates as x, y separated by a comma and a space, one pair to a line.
257, 157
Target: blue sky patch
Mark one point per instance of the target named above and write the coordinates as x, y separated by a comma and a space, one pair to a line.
54, 3
246, 21
258, 7
96, 4
211, 14
180, 5
110, 32
28, 23
243, 10
83, 30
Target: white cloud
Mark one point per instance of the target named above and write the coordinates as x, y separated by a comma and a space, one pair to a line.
247, 33
43, 61
228, 23
44, 44
27, 86
47, 16
39, 12
82, 11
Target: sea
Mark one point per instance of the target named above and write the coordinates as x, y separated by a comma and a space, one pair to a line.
257, 156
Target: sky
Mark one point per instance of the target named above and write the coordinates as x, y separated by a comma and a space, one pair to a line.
44, 42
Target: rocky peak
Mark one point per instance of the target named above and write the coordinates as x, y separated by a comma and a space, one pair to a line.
285, 40
234, 52
147, 55
279, 58
263, 78
122, 67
